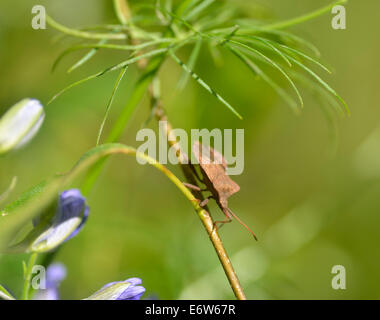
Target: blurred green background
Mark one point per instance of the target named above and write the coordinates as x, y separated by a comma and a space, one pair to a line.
310, 188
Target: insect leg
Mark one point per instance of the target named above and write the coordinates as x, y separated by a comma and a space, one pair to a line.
241, 222
193, 187
221, 223
205, 201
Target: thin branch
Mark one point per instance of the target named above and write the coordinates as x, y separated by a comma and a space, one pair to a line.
122, 11
312, 15
84, 34
203, 214
28, 275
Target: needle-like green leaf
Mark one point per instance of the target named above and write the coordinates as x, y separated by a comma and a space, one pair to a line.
198, 9
113, 68
268, 43
322, 82
191, 64
71, 86
86, 57
274, 64
137, 47
257, 70
305, 56
283, 34
185, 6
204, 84
116, 86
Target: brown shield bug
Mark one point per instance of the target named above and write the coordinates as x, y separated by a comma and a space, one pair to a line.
213, 169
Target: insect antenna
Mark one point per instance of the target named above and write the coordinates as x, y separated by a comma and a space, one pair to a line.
242, 223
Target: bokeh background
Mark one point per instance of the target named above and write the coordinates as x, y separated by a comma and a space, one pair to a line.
310, 188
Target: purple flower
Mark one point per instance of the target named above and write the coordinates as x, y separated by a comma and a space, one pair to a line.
72, 204
55, 274
120, 290
129, 289
71, 214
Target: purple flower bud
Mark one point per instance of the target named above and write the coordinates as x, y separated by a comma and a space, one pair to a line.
120, 290
71, 214
72, 204
20, 124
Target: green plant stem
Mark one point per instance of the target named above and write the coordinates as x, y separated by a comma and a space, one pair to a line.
84, 34
288, 23
122, 11
205, 217
203, 214
28, 275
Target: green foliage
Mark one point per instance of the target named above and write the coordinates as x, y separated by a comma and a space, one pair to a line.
35, 202
162, 30
172, 28
4, 294
8, 191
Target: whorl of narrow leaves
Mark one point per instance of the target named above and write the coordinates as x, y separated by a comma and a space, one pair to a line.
171, 28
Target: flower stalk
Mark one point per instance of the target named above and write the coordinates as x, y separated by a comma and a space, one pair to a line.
84, 34
203, 214
28, 275
310, 16
122, 11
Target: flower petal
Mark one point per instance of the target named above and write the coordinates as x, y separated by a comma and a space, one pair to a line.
72, 213
112, 292
121, 290
132, 293
55, 235
134, 281
20, 124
